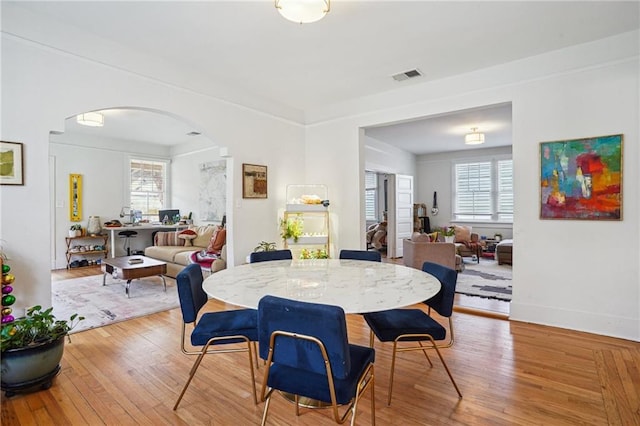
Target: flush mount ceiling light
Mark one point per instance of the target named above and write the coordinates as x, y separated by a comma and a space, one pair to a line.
474, 138
93, 119
303, 11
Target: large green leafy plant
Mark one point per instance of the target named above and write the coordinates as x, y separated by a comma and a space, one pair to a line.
35, 328
291, 228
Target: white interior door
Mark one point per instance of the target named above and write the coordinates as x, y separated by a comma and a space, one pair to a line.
400, 213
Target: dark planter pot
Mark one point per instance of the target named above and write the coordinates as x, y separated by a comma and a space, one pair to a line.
28, 368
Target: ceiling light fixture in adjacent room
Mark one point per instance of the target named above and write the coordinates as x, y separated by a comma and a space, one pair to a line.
93, 119
474, 138
303, 11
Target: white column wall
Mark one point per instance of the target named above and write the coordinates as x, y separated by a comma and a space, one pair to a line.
50, 86
581, 275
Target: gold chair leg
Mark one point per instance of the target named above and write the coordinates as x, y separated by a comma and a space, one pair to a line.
192, 373
446, 367
393, 366
373, 396
425, 353
266, 409
253, 377
371, 339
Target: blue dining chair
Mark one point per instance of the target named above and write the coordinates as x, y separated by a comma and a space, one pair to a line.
264, 256
213, 328
414, 325
308, 355
373, 256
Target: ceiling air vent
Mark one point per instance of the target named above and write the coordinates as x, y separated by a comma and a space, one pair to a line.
407, 75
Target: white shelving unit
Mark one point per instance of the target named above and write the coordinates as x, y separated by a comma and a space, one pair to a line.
303, 204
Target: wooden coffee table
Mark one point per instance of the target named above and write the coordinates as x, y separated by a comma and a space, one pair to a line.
121, 267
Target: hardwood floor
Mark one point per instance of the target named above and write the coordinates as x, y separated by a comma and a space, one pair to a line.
510, 373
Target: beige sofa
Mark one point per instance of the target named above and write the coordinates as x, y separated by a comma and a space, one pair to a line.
415, 253
175, 251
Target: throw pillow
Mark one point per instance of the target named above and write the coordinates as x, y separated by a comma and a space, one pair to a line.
433, 237
218, 239
417, 237
462, 234
204, 234
168, 239
188, 235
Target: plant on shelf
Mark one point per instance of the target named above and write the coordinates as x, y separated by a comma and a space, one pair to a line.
75, 230
291, 228
313, 254
264, 246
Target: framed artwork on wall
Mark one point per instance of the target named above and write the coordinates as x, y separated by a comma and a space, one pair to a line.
581, 179
11, 163
75, 197
254, 181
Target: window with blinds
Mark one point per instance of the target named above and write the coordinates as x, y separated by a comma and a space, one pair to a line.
483, 191
148, 185
370, 195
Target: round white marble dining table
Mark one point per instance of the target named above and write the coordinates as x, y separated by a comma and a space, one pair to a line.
355, 285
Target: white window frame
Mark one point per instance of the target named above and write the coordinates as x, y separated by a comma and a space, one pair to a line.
127, 182
375, 190
493, 215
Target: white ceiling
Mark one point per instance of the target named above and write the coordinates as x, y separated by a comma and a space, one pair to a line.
245, 52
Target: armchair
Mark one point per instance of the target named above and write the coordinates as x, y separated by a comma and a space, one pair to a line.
415, 253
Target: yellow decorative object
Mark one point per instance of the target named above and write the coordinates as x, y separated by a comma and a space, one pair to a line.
75, 197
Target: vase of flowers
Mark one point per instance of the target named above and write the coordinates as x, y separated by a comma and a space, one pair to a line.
449, 233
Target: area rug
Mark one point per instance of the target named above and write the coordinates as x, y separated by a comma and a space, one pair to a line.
485, 279
103, 305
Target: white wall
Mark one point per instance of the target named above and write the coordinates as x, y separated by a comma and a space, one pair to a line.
51, 85
582, 275
435, 173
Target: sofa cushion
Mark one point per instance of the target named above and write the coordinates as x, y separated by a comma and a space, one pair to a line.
204, 234
166, 253
167, 239
462, 234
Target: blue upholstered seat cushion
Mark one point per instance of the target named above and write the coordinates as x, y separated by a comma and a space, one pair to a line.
314, 385
241, 322
388, 325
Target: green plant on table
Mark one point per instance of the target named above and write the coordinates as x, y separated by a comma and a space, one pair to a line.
448, 231
264, 246
35, 328
75, 227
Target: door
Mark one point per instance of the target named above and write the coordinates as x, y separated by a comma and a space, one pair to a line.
400, 213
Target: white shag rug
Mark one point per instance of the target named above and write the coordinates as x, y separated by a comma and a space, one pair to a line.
486, 279
103, 305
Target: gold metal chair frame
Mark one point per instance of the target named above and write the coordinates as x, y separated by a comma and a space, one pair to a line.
450, 342
422, 348
206, 350
367, 380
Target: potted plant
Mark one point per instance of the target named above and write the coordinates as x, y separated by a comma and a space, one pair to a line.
291, 228
32, 348
449, 233
264, 246
75, 230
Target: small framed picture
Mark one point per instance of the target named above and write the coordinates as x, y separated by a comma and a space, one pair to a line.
254, 181
11, 163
